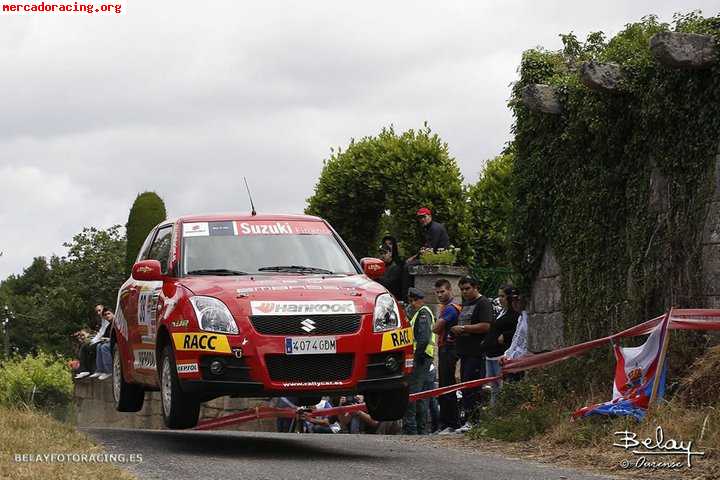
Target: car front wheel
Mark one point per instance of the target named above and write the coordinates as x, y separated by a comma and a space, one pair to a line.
180, 409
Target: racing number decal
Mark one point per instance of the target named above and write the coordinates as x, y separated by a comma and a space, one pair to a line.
201, 342
397, 339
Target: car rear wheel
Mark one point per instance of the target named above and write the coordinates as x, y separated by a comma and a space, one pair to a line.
180, 409
387, 405
128, 397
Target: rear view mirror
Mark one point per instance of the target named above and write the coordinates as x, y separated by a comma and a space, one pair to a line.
147, 271
373, 267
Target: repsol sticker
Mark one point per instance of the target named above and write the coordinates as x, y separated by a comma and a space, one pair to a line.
397, 339
303, 308
187, 367
205, 342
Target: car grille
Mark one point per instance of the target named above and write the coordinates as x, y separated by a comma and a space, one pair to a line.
310, 368
317, 324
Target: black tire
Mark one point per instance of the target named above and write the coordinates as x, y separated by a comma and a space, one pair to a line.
387, 405
180, 409
129, 397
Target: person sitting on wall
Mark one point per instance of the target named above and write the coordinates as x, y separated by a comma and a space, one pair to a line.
392, 278
103, 356
435, 237
87, 350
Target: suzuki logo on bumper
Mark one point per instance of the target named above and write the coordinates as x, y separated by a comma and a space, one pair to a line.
308, 325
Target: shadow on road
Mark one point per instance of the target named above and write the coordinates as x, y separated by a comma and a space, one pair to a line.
230, 444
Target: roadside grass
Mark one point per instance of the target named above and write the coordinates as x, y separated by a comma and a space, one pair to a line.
26, 431
531, 424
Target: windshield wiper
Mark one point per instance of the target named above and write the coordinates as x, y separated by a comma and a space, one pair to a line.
295, 268
216, 271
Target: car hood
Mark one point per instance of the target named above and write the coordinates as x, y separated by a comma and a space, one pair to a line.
239, 292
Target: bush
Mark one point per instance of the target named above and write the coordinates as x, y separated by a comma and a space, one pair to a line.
41, 381
520, 413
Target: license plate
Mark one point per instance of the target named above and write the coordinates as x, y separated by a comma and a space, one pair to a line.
305, 345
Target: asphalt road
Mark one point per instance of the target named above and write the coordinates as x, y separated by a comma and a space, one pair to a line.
254, 455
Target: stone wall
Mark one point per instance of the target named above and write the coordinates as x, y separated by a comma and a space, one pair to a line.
545, 325
95, 407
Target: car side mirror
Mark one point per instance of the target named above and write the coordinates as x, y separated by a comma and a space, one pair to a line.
373, 267
147, 271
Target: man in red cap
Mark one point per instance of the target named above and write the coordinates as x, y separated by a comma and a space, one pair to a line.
435, 234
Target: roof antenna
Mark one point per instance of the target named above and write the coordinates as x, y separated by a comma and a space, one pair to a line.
249, 195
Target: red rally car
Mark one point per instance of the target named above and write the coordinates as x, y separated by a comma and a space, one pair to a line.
256, 306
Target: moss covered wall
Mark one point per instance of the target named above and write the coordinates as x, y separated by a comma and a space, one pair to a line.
619, 181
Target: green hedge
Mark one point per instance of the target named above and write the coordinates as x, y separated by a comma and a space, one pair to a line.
42, 381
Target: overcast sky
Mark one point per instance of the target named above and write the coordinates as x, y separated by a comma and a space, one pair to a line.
184, 98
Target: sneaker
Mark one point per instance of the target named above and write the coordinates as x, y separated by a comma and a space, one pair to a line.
447, 431
104, 376
95, 375
81, 375
465, 428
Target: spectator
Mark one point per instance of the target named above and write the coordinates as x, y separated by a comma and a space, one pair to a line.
87, 351
392, 278
103, 336
494, 344
519, 345
284, 424
103, 356
391, 242
422, 320
433, 409
447, 355
434, 237
435, 234
473, 323
321, 424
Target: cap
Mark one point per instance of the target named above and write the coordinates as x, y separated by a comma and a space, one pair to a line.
415, 293
423, 211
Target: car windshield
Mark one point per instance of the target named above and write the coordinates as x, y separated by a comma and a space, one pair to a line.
241, 248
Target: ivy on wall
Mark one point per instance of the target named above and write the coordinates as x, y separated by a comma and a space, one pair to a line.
618, 183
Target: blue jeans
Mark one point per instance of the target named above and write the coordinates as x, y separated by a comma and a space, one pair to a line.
103, 359
492, 369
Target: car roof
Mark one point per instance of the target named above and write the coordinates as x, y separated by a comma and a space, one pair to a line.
219, 217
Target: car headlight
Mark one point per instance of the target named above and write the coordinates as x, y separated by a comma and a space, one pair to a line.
386, 316
213, 315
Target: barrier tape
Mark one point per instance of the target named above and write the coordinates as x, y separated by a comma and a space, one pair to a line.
685, 319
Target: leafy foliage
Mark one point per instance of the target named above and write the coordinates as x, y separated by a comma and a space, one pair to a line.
41, 381
618, 183
52, 300
146, 212
384, 180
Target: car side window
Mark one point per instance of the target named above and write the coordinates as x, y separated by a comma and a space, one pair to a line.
160, 248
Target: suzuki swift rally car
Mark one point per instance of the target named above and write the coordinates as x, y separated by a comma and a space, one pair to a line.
256, 306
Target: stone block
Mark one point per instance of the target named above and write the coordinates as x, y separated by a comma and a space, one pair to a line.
542, 98
545, 331
711, 269
606, 77
546, 295
684, 50
711, 230
549, 266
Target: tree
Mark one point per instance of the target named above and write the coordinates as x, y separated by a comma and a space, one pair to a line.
383, 180
50, 300
147, 211
491, 206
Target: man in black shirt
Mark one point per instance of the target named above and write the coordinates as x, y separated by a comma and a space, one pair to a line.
392, 278
473, 322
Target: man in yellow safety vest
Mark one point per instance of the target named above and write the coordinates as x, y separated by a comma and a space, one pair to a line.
421, 321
